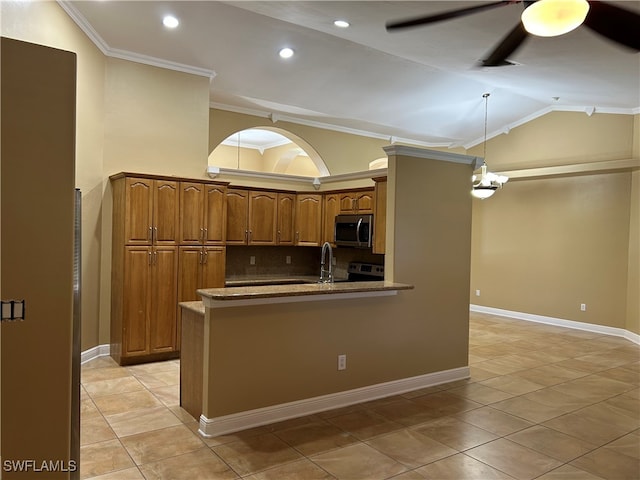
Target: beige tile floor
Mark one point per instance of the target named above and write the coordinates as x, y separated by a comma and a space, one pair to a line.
542, 402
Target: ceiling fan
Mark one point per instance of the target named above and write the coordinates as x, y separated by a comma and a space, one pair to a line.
613, 22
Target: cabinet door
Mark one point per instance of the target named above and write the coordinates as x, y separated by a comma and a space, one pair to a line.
138, 211
286, 226
347, 202
213, 267
189, 273
262, 218
380, 217
308, 219
162, 321
365, 201
191, 213
137, 300
215, 214
330, 209
165, 212
237, 212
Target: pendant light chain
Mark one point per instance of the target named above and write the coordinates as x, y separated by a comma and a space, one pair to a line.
486, 108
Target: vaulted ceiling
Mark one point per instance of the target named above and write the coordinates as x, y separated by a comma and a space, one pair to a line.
422, 84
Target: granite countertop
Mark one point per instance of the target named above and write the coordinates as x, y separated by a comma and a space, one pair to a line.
196, 306
301, 289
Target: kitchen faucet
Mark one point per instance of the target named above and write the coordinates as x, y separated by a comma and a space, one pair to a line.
326, 274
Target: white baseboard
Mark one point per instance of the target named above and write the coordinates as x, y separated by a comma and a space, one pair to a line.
95, 352
530, 317
212, 427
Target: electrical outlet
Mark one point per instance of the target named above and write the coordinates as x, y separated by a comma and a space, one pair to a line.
287, 259
342, 362
583, 307
477, 293
252, 260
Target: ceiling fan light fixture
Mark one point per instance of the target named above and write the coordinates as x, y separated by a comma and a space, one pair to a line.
550, 18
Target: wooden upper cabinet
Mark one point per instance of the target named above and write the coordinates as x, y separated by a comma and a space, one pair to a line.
237, 208
357, 201
165, 212
138, 211
215, 214
347, 202
365, 201
285, 224
380, 216
191, 213
202, 213
308, 218
330, 209
262, 218
151, 211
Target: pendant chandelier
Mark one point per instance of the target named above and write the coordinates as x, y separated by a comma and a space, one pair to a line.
486, 183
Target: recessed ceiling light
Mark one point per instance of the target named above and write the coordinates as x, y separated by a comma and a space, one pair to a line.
286, 52
170, 21
341, 23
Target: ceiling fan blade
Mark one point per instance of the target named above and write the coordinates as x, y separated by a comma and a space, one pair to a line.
445, 15
615, 23
508, 45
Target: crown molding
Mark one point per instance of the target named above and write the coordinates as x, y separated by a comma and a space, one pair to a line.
99, 42
214, 171
628, 164
276, 117
588, 110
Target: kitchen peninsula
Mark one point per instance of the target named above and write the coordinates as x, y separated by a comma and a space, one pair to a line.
258, 347
263, 354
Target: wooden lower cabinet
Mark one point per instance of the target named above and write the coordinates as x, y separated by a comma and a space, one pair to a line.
198, 267
149, 299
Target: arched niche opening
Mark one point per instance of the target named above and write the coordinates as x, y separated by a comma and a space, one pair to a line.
268, 150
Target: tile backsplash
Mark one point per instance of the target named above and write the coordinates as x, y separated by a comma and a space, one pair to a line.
304, 260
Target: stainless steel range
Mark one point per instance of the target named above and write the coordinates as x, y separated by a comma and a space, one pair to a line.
365, 272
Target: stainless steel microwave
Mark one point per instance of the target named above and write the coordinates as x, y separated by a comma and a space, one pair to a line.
354, 230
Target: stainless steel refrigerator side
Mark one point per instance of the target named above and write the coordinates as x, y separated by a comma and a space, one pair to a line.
76, 332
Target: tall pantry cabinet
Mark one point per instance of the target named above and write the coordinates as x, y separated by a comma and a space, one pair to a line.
144, 267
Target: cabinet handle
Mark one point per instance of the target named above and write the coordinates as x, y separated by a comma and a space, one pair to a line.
206, 257
201, 258
202, 234
149, 257
278, 236
246, 236
155, 257
206, 234
154, 236
150, 234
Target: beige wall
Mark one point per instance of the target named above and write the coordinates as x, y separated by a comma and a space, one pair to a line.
561, 138
633, 276
545, 245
